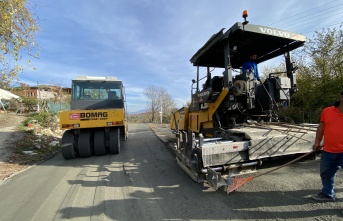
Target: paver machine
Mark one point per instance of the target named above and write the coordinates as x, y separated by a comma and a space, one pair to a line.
96, 123
231, 125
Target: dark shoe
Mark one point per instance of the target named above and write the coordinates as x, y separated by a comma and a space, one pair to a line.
323, 197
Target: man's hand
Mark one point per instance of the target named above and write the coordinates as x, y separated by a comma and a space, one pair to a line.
317, 147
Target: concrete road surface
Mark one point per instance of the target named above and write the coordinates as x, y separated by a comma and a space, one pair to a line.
144, 182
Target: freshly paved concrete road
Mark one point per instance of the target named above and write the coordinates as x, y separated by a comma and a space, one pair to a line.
144, 182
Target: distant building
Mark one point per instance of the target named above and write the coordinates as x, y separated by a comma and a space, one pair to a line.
42, 92
49, 96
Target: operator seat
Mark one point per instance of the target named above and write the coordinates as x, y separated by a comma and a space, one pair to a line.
217, 87
217, 83
112, 95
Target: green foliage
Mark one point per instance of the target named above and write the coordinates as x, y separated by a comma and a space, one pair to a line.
45, 119
298, 115
31, 118
39, 145
266, 70
17, 32
319, 77
29, 100
320, 74
28, 103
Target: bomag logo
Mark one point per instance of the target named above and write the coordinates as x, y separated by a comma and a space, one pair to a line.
94, 116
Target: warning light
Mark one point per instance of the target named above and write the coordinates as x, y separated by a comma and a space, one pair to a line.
245, 14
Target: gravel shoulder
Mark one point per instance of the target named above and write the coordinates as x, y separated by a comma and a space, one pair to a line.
9, 136
22, 147
9, 133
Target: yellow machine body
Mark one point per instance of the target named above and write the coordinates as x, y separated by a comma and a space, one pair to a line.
80, 119
96, 123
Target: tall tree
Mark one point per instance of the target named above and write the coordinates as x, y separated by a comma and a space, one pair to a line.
151, 93
17, 32
320, 74
158, 99
266, 70
168, 104
319, 78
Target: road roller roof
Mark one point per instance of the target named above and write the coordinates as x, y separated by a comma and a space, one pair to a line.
96, 78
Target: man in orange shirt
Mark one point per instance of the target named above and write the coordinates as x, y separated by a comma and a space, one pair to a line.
331, 128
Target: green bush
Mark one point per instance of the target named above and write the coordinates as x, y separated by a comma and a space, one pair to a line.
299, 115
45, 119
29, 119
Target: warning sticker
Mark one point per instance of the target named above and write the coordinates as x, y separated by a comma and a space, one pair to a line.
74, 116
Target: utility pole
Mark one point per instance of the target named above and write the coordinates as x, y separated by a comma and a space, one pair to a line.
38, 97
161, 113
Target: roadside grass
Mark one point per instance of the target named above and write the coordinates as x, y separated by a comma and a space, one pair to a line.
36, 139
36, 145
33, 148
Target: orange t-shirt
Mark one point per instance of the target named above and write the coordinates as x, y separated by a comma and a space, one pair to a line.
333, 130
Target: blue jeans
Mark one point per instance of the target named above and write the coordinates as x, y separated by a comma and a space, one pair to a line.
329, 165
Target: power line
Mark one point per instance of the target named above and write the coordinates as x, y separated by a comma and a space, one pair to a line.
319, 15
314, 14
291, 27
310, 17
339, 23
303, 12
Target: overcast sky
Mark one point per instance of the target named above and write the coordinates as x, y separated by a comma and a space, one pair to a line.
150, 42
